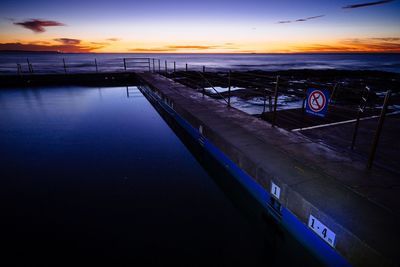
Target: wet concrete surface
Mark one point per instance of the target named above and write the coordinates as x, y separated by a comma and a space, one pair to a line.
359, 205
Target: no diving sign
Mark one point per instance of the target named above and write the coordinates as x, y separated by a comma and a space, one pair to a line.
317, 102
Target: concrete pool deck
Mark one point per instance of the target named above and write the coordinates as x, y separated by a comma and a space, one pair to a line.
360, 206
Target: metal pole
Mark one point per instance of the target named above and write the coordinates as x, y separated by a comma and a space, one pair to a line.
204, 69
270, 102
333, 93
229, 88
174, 66
265, 100
166, 68
303, 104
29, 65
353, 141
154, 68
362, 106
124, 64
159, 67
275, 100
265, 103
149, 64
186, 67
65, 66
379, 129
19, 69
95, 62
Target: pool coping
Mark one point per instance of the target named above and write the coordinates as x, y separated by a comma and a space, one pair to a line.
231, 136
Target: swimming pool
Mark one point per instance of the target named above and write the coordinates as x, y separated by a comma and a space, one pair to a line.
96, 174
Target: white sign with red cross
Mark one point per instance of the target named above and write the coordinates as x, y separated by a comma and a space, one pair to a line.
317, 102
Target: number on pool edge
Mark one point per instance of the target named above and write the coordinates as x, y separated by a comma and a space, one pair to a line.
275, 190
322, 231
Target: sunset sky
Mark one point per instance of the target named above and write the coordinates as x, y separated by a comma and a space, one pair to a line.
207, 26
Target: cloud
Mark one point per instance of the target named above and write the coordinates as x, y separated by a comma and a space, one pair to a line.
310, 18
374, 44
173, 48
323, 48
68, 41
357, 45
150, 50
284, 21
113, 39
100, 43
38, 25
65, 48
367, 4
9, 19
246, 51
196, 47
300, 20
387, 39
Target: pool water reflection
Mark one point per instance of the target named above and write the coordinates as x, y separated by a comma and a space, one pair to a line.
89, 174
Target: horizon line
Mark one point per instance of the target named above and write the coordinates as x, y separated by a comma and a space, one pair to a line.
205, 53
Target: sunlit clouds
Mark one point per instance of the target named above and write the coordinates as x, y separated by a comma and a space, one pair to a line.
212, 26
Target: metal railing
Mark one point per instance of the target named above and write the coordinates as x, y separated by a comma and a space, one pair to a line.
270, 87
265, 85
73, 65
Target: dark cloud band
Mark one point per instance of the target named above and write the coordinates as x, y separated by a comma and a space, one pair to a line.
300, 20
367, 4
37, 25
68, 41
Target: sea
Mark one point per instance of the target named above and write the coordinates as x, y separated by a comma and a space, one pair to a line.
107, 62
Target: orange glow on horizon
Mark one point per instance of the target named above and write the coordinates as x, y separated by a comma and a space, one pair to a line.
119, 45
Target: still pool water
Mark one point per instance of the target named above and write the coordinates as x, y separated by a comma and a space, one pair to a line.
92, 175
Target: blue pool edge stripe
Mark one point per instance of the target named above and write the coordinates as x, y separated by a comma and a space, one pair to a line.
288, 220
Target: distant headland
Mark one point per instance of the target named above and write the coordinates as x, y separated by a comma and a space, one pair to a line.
29, 52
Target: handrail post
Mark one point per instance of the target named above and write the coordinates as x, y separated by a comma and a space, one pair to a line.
333, 93
65, 66
148, 60
174, 66
265, 100
19, 69
363, 104
186, 67
30, 69
303, 104
216, 91
95, 62
124, 64
275, 101
159, 65
166, 68
270, 102
204, 69
379, 129
353, 141
229, 88
154, 69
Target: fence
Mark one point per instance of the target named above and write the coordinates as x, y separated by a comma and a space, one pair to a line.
59, 65
267, 89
